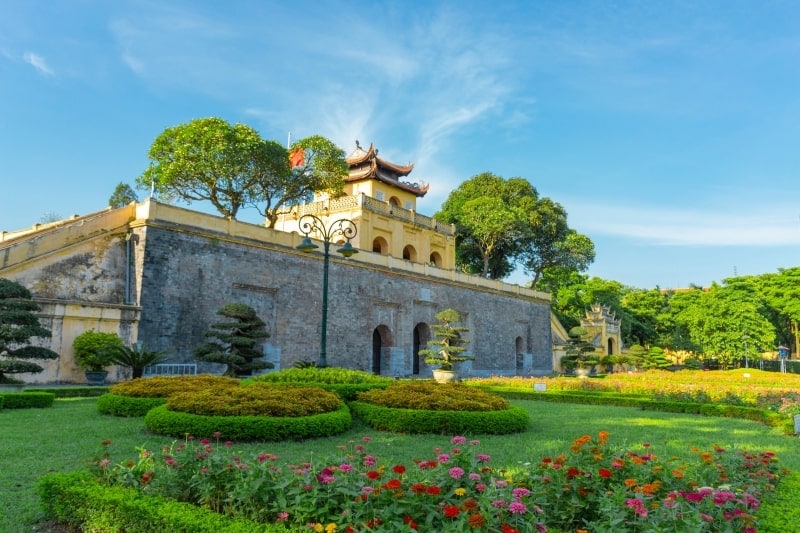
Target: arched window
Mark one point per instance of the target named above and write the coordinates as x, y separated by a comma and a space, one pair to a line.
436, 260
409, 253
379, 245
394, 201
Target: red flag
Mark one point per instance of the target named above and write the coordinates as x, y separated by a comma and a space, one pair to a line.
297, 158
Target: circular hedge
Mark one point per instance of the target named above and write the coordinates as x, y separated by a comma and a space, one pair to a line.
429, 407
137, 396
254, 412
248, 427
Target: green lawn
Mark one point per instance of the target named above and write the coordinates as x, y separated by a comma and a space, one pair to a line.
36, 441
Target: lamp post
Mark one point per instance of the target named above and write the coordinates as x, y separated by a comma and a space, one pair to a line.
344, 228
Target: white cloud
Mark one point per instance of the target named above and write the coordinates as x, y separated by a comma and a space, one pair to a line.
39, 63
680, 227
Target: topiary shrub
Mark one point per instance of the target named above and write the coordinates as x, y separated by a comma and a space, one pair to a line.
345, 382
255, 412
428, 407
94, 350
233, 341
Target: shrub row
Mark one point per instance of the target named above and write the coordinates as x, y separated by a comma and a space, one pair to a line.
779, 512
416, 421
432, 396
248, 427
330, 375
163, 386
71, 392
128, 406
764, 416
77, 499
24, 400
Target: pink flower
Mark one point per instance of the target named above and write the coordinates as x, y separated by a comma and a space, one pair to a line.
474, 477
458, 440
520, 492
282, 516
369, 460
517, 508
456, 472
482, 458
345, 467
443, 458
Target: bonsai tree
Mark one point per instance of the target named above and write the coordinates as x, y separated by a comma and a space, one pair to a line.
95, 350
233, 341
580, 353
19, 323
447, 346
137, 358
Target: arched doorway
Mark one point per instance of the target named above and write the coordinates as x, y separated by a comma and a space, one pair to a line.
381, 339
379, 245
409, 253
610, 347
422, 334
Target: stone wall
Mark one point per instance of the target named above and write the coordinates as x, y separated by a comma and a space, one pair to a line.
158, 274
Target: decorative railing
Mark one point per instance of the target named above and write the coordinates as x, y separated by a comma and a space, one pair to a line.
170, 369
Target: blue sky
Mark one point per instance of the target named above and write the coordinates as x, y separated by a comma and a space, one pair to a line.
670, 131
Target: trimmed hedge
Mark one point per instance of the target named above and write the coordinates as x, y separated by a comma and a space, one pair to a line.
118, 405
76, 499
72, 392
24, 400
416, 421
249, 427
779, 511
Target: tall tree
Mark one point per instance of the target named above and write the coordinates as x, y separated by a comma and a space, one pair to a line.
19, 324
548, 242
320, 166
234, 341
123, 195
231, 166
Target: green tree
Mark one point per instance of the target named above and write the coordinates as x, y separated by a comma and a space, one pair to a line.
547, 242
123, 195
782, 293
231, 166
580, 353
447, 346
234, 341
19, 324
95, 350
727, 323
323, 170
137, 358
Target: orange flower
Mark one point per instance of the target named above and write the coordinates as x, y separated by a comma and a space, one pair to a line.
602, 437
630, 483
476, 520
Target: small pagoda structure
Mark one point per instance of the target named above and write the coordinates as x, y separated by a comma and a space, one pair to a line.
603, 328
381, 201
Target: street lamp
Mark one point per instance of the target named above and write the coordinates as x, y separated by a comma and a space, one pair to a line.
343, 227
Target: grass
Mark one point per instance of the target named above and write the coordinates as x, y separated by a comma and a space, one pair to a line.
36, 441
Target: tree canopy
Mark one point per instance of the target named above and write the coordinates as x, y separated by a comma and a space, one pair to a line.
503, 223
231, 166
123, 195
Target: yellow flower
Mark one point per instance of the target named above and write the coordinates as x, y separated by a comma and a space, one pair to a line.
330, 528
318, 528
460, 491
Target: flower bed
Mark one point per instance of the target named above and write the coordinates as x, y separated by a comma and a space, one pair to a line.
592, 486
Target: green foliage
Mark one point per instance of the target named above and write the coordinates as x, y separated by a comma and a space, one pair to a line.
447, 346
257, 399
77, 499
137, 358
233, 342
419, 394
95, 350
19, 324
24, 400
779, 511
117, 405
312, 374
580, 353
162, 421
123, 195
231, 166
163, 386
420, 421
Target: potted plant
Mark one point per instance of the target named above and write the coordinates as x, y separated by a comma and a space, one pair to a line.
94, 351
447, 346
137, 358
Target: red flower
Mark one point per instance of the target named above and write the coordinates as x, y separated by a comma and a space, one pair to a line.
451, 511
505, 528
373, 474
418, 488
573, 472
399, 469
434, 490
410, 521
476, 520
394, 484
605, 472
